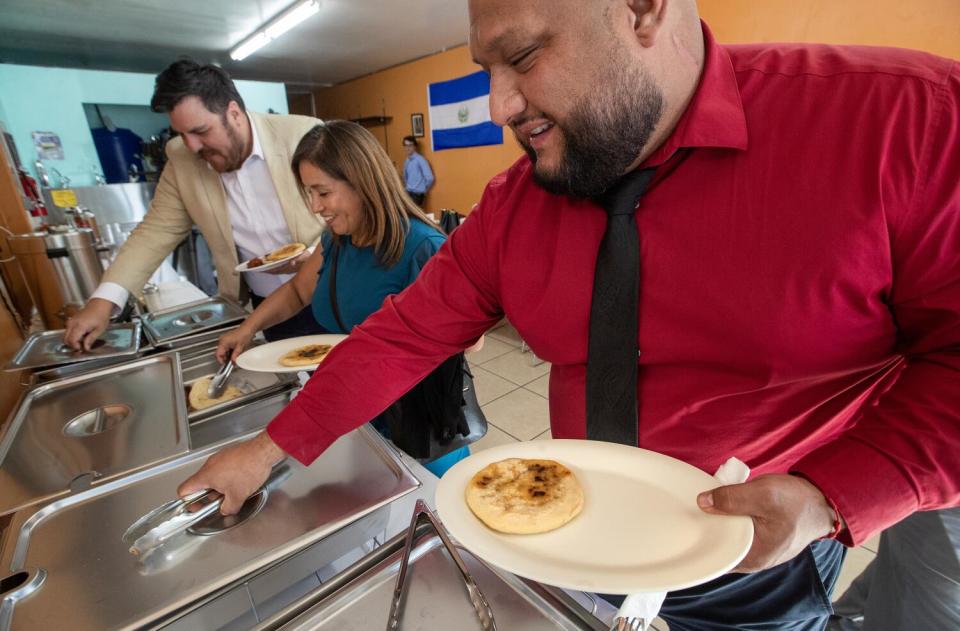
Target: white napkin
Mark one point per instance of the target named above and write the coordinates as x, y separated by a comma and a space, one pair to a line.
647, 605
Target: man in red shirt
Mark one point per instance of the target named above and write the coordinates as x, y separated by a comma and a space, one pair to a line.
799, 277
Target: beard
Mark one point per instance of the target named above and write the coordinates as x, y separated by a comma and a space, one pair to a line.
233, 155
602, 137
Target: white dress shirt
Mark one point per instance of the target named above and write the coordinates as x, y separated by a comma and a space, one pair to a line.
255, 216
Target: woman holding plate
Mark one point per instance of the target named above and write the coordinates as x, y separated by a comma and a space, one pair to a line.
377, 243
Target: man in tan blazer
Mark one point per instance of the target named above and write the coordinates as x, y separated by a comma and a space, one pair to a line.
229, 173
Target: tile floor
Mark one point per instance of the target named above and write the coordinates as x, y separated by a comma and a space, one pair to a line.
511, 386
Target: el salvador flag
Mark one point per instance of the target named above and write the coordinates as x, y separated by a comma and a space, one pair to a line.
460, 113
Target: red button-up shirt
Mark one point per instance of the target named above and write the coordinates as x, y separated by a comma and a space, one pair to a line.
800, 284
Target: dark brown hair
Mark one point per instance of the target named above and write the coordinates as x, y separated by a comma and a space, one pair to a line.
349, 153
186, 77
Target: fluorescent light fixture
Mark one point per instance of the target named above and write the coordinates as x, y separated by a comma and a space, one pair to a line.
275, 28
291, 18
249, 46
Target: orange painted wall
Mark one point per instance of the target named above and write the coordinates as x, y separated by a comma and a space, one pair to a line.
931, 25
401, 91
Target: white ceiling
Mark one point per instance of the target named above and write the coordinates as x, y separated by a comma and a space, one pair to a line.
346, 39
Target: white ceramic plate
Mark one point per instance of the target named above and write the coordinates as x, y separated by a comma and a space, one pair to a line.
640, 529
266, 358
269, 266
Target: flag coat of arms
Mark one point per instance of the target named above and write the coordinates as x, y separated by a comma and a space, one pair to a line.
460, 113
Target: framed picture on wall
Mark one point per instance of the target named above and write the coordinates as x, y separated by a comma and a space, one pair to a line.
416, 124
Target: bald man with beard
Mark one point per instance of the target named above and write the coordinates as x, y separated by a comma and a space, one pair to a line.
797, 301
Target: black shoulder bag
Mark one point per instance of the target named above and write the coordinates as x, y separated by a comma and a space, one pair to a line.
439, 414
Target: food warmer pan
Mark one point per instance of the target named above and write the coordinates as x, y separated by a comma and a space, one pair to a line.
70, 568
164, 327
92, 428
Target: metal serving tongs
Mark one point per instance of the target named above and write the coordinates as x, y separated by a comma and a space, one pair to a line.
166, 521
219, 381
420, 513
170, 519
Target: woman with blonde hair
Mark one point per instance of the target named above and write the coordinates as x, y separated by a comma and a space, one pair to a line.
376, 243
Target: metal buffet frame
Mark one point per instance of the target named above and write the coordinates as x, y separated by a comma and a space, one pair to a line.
423, 537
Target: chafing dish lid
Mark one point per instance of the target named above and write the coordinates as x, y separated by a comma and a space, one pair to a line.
47, 349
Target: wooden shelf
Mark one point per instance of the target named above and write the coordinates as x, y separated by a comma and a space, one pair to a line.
372, 121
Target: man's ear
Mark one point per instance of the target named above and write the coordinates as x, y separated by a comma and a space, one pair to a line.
649, 17
234, 113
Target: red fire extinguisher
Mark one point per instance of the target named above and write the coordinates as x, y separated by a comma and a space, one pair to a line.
32, 191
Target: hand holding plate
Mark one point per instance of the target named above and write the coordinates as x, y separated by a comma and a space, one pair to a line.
788, 513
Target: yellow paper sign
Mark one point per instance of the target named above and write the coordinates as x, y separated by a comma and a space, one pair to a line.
64, 198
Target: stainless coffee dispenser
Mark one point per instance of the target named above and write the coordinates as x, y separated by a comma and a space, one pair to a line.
76, 270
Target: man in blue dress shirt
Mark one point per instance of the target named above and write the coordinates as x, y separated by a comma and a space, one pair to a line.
417, 176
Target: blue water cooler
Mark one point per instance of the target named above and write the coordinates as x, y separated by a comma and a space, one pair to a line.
120, 154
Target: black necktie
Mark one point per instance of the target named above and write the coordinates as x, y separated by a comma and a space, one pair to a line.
612, 345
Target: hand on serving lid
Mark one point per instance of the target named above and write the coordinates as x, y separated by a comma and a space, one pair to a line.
788, 513
85, 327
236, 472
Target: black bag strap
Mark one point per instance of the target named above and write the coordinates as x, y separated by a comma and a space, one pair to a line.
333, 286
449, 220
